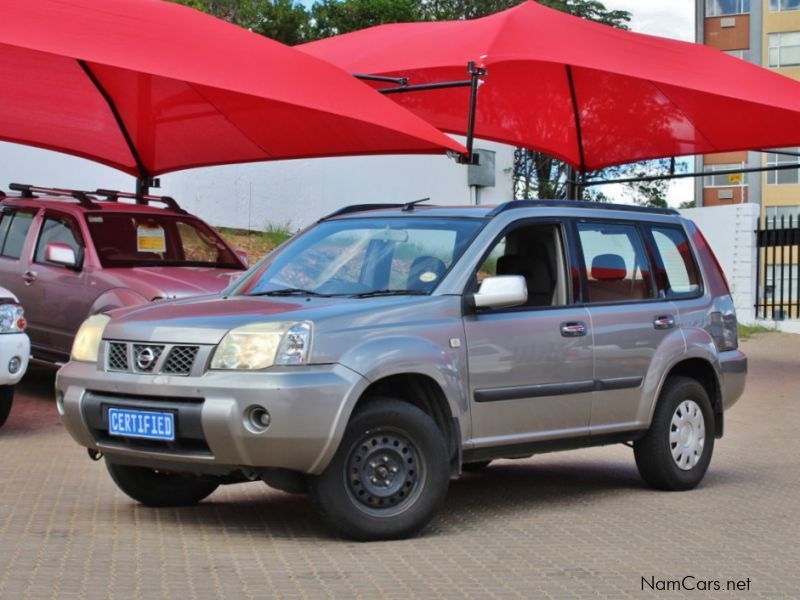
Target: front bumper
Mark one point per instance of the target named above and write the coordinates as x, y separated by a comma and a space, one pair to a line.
309, 407
733, 365
13, 345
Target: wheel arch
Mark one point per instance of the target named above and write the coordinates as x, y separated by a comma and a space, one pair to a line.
704, 371
424, 392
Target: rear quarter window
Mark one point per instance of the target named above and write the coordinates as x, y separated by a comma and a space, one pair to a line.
679, 273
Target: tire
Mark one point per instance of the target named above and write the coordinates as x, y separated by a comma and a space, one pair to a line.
403, 480
473, 467
153, 488
6, 400
675, 453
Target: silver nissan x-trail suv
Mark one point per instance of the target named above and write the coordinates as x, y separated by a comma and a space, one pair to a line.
386, 349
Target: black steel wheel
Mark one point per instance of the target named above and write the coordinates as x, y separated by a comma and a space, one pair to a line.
389, 475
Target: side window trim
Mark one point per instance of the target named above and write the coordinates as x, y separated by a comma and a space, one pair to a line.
563, 225
584, 273
663, 285
75, 228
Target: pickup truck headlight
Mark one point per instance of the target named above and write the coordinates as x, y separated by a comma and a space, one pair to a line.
255, 347
86, 346
12, 318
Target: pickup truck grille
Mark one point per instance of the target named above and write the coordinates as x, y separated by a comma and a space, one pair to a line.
151, 359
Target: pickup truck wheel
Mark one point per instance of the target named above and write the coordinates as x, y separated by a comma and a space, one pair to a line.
675, 453
6, 399
389, 476
154, 488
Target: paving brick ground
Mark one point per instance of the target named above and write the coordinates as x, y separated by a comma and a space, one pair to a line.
576, 524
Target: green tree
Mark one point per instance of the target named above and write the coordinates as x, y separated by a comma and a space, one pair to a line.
333, 17
287, 21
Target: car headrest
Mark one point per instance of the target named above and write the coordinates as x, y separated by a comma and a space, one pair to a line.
609, 267
425, 272
534, 269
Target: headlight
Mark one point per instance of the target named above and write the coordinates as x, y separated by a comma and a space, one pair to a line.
259, 346
87, 343
12, 318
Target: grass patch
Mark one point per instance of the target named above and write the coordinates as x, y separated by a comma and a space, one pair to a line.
257, 244
748, 331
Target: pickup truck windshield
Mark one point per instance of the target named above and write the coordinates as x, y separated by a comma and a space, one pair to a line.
364, 257
147, 239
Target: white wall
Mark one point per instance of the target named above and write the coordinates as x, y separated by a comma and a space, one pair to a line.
730, 230
283, 192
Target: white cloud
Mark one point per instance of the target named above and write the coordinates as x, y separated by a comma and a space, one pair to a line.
666, 18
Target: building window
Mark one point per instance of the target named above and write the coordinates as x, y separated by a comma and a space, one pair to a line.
784, 49
720, 8
783, 5
731, 180
782, 215
787, 177
743, 54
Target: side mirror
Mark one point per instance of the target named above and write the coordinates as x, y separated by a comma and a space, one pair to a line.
60, 254
242, 256
501, 291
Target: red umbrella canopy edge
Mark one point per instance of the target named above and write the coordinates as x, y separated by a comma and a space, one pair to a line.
587, 93
150, 87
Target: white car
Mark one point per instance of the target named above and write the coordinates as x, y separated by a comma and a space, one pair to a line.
15, 349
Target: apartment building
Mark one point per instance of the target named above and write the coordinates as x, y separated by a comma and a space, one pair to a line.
767, 33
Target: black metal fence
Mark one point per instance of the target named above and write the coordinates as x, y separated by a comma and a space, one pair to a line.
777, 289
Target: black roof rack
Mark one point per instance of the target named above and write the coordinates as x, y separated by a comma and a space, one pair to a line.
354, 208
114, 195
577, 204
30, 191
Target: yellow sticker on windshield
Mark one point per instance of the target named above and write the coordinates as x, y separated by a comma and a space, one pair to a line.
428, 276
150, 238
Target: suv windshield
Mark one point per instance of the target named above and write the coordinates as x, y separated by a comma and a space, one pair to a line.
364, 257
147, 239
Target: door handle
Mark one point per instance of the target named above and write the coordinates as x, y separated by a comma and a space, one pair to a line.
664, 322
573, 329
29, 277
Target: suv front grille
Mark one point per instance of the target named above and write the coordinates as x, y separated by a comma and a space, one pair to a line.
180, 360
117, 357
151, 359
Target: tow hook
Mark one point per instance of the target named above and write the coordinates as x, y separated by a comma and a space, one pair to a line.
95, 455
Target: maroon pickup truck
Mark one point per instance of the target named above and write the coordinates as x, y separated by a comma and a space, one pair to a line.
68, 254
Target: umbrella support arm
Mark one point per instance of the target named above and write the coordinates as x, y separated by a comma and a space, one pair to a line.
474, 82
143, 179
402, 81
645, 179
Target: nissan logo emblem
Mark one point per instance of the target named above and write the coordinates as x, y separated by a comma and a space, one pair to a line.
145, 358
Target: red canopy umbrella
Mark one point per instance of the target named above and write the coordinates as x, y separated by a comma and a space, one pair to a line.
148, 87
586, 93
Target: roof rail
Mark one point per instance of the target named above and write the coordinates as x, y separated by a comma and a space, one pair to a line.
579, 204
354, 208
114, 195
30, 191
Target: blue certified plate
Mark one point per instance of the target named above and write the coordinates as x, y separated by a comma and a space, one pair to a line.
141, 424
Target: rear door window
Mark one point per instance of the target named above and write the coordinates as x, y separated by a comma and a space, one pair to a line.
617, 268
13, 231
679, 274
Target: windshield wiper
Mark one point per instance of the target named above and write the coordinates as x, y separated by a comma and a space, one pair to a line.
291, 292
390, 293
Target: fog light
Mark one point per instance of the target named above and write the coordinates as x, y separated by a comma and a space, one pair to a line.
257, 419
14, 365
